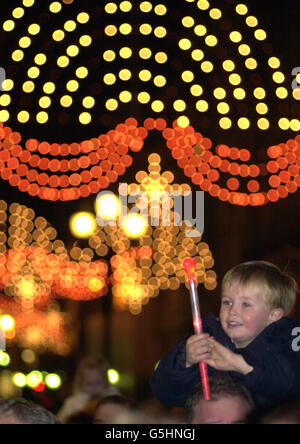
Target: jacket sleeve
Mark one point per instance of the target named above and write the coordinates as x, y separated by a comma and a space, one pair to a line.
172, 382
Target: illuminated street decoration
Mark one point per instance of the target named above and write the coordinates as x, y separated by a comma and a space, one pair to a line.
246, 183
82, 224
225, 74
44, 331
33, 276
225, 42
40, 329
101, 161
155, 264
35, 267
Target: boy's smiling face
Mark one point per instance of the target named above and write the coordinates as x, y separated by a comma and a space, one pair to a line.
244, 313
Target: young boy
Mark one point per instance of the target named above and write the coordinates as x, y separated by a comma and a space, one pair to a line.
251, 341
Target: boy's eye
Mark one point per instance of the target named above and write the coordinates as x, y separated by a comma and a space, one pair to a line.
226, 302
246, 304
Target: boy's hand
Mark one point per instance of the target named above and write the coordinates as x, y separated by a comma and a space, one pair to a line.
221, 358
197, 349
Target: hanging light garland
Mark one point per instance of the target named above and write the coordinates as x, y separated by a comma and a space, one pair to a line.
224, 172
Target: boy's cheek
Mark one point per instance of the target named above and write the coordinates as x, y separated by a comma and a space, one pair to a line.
222, 316
223, 312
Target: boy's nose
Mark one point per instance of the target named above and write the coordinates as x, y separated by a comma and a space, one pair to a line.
234, 309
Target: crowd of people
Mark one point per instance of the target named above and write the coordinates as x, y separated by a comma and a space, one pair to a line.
230, 403
253, 366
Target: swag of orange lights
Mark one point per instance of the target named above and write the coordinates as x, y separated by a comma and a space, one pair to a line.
71, 171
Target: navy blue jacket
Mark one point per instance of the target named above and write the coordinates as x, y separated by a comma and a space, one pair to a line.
273, 354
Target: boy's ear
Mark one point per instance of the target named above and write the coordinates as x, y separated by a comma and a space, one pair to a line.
276, 314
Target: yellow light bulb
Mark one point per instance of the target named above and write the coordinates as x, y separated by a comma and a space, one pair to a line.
183, 121
113, 376
19, 379
53, 381
82, 225
135, 226
107, 206
7, 322
95, 285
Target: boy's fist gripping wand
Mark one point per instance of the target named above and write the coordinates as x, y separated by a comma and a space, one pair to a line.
189, 266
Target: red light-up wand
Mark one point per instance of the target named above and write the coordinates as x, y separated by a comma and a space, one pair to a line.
189, 266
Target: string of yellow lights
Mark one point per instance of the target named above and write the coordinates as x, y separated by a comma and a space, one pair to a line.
199, 42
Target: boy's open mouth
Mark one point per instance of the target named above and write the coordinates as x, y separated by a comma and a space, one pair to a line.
233, 324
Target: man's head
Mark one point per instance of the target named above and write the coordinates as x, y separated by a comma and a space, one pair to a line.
254, 294
230, 403
25, 412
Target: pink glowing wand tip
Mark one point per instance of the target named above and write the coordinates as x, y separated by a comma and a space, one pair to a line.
189, 266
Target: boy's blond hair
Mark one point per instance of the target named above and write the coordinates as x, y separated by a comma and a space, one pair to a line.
279, 288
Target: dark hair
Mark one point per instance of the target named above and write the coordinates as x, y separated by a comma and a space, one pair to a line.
280, 288
26, 412
221, 386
